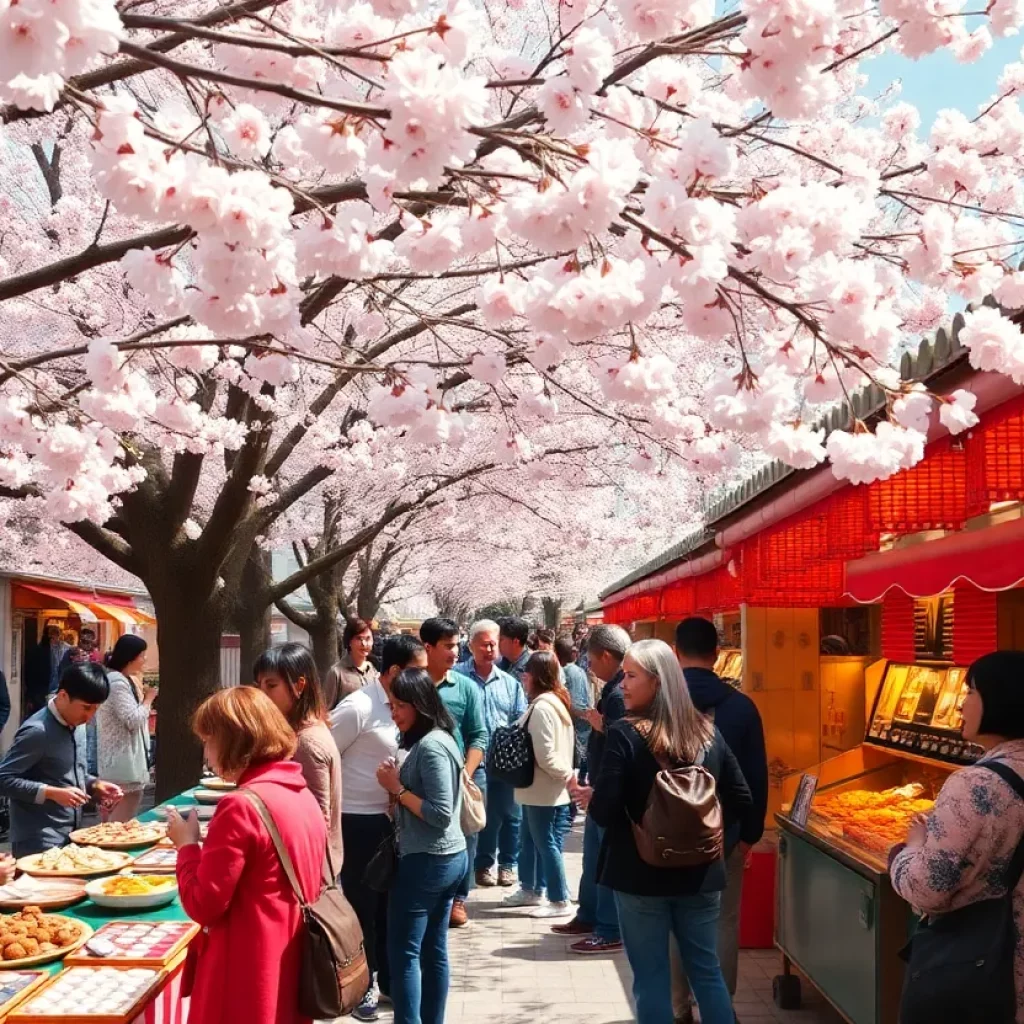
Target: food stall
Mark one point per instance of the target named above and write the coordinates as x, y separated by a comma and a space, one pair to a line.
135, 978
839, 821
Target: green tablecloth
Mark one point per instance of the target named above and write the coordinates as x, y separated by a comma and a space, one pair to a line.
96, 916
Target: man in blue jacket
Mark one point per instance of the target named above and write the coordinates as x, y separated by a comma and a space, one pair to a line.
739, 722
45, 774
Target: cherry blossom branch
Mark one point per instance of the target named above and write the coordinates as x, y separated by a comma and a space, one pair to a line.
117, 72
313, 99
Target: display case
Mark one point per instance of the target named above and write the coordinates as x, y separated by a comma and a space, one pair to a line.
729, 666
838, 918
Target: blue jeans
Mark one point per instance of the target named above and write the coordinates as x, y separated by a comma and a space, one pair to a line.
647, 922
418, 907
563, 822
480, 778
499, 839
542, 844
597, 902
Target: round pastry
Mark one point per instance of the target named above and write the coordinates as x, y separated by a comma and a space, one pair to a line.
15, 951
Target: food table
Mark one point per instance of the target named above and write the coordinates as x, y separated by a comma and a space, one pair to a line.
164, 1005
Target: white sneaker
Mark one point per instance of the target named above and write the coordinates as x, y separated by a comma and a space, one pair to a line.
523, 898
562, 909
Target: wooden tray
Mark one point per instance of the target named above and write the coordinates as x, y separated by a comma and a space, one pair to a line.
158, 832
40, 979
85, 933
26, 864
22, 1016
219, 784
82, 958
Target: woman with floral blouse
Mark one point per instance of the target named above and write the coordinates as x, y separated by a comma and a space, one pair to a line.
959, 852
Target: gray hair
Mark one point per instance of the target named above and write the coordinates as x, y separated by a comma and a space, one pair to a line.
678, 730
483, 626
611, 639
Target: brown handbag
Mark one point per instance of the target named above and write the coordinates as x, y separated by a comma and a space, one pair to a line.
682, 824
334, 975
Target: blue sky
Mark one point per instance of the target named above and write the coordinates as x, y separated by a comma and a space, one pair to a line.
939, 81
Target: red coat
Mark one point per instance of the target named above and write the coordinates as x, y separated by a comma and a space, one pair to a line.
247, 959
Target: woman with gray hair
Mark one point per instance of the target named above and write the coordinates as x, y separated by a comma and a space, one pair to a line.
662, 729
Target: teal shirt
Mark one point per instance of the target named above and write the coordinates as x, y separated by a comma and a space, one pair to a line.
461, 697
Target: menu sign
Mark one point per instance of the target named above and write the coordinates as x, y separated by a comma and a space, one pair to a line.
918, 709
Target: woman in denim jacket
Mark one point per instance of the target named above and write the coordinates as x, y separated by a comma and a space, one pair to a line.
431, 846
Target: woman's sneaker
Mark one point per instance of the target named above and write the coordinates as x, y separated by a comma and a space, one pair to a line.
523, 898
562, 908
367, 1009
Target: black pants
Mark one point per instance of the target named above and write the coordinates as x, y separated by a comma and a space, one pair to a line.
361, 835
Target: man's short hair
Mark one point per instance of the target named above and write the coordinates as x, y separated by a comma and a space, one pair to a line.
515, 628
612, 640
433, 631
399, 650
85, 681
483, 626
696, 638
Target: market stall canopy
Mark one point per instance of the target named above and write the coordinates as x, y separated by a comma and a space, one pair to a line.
88, 607
990, 559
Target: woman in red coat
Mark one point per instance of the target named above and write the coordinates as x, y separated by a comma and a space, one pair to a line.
245, 963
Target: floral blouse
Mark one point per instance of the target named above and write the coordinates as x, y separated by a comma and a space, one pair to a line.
971, 835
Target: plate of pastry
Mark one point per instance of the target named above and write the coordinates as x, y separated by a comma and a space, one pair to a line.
46, 893
120, 835
31, 937
74, 861
219, 784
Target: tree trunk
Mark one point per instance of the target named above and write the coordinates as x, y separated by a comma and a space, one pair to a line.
323, 636
189, 637
254, 638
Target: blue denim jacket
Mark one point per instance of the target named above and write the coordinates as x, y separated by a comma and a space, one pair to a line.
433, 771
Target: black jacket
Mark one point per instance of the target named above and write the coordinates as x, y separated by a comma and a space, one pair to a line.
620, 798
612, 708
739, 722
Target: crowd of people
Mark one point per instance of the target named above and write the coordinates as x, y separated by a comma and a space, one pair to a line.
387, 764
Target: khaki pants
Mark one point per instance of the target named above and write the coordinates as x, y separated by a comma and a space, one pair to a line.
728, 940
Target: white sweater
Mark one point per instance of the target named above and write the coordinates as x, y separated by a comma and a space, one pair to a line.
552, 732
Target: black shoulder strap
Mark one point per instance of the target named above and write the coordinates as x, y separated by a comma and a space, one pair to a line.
1014, 781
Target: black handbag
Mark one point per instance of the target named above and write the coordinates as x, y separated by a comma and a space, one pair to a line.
960, 965
382, 867
510, 757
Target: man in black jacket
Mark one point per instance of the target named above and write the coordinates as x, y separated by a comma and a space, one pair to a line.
739, 722
596, 921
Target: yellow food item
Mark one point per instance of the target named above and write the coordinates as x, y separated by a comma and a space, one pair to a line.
136, 885
72, 858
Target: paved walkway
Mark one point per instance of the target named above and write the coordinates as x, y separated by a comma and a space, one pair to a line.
508, 968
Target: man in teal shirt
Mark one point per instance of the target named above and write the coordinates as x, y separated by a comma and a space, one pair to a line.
461, 696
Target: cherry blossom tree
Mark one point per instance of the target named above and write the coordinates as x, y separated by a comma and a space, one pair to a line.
492, 251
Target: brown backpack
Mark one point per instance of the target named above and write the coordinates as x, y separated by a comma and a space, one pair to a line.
682, 823
334, 975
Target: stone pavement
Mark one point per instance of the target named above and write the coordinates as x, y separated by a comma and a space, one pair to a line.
507, 968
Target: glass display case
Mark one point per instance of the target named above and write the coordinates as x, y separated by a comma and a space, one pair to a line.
837, 916
729, 666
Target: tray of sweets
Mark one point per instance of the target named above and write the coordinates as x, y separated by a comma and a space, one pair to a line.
120, 835
158, 861
96, 995
16, 986
136, 944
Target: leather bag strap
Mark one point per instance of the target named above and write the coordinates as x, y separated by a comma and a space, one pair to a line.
1014, 781
275, 837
